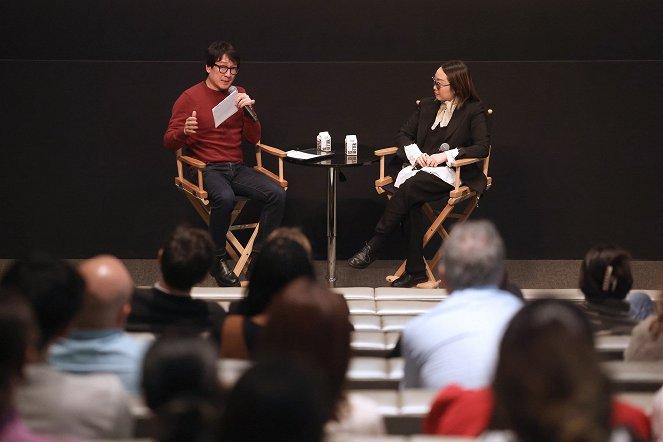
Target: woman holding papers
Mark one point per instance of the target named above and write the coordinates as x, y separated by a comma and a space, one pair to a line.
449, 126
219, 144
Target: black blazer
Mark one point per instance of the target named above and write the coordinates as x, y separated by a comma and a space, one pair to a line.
467, 131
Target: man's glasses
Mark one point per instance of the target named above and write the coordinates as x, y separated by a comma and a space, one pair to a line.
223, 69
437, 84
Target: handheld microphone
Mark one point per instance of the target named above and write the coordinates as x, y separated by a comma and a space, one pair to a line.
443, 148
248, 108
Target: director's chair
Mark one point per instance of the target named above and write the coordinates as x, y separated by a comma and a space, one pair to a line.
459, 206
197, 196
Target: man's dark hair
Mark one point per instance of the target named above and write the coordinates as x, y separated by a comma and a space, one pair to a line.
188, 254
218, 49
52, 287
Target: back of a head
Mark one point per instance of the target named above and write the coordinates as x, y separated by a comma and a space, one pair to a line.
108, 289
275, 401
280, 261
294, 234
473, 255
17, 331
311, 324
53, 288
186, 257
176, 364
180, 385
548, 383
605, 273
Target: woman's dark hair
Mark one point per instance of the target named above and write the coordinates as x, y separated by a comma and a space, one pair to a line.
548, 384
280, 261
181, 386
605, 273
218, 49
458, 75
275, 401
311, 324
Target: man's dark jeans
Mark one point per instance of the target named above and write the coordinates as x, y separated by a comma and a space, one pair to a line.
225, 180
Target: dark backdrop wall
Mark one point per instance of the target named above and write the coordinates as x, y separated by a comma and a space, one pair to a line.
88, 87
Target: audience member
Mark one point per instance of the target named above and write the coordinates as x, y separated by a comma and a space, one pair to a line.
311, 324
547, 371
294, 234
548, 384
657, 416
606, 280
456, 341
181, 387
184, 259
18, 333
282, 260
275, 401
646, 343
49, 401
505, 284
97, 342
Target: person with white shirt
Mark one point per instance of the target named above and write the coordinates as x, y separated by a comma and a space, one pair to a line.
457, 341
444, 128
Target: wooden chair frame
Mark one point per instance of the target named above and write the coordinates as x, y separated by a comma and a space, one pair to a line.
197, 196
460, 194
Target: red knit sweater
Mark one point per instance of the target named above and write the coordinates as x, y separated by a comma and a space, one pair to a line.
209, 144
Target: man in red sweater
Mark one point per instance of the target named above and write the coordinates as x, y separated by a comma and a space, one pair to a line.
191, 125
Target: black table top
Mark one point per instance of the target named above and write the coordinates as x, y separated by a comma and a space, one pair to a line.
365, 156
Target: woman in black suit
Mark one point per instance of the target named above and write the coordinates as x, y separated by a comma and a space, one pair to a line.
448, 127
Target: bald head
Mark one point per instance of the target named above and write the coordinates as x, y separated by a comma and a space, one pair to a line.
108, 289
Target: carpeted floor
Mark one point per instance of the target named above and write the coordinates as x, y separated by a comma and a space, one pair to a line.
554, 274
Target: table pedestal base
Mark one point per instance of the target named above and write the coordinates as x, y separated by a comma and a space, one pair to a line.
332, 178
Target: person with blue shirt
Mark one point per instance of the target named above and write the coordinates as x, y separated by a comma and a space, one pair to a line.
97, 342
457, 341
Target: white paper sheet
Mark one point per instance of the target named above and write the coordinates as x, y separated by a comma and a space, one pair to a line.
225, 109
300, 155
